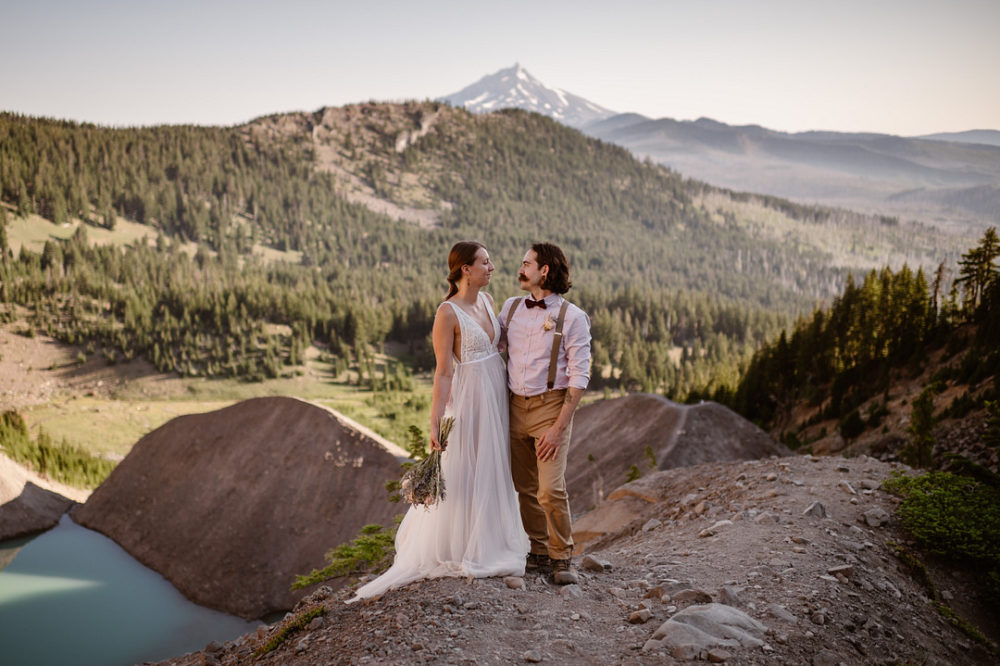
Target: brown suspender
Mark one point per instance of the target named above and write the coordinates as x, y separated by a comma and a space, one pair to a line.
556, 337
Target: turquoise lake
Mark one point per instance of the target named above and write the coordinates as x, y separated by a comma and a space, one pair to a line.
71, 596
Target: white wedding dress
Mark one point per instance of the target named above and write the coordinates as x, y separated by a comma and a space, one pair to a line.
476, 531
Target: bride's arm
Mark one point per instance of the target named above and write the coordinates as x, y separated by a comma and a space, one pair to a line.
443, 335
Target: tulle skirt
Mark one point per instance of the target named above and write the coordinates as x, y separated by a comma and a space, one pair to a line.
476, 531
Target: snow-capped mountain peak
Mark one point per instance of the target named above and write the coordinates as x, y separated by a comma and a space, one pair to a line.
515, 87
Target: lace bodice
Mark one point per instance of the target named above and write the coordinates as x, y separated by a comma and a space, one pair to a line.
476, 343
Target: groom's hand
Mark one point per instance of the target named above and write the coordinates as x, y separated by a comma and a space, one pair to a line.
548, 444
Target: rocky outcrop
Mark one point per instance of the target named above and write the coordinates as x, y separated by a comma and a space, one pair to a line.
770, 584
612, 435
29, 504
231, 504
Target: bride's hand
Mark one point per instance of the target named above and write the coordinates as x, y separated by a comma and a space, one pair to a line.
435, 444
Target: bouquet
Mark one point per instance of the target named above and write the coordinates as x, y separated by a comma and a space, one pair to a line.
423, 483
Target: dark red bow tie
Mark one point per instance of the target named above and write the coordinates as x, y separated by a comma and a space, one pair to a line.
528, 303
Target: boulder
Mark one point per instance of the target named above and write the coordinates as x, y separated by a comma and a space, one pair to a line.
692, 632
231, 505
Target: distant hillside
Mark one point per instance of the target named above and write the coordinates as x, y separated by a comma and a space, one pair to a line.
984, 137
363, 201
952, 181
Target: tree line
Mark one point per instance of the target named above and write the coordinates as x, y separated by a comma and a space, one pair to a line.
841, 356
680, 299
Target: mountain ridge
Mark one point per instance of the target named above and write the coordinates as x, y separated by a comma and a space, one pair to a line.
950, 179
514, 87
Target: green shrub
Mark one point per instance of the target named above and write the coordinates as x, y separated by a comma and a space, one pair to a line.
370, 551
956, 517
952, 516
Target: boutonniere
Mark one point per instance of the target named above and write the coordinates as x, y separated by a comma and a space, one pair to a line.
549, 323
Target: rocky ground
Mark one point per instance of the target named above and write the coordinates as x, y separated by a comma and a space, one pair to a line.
784, 561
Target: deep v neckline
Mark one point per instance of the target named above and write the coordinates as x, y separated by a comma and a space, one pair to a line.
489, 336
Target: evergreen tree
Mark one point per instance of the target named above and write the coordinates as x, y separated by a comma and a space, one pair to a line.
978, 270
919, 451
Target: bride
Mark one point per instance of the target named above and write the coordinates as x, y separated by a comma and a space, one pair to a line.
476, 530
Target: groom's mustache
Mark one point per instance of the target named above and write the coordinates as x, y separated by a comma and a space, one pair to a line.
522, 277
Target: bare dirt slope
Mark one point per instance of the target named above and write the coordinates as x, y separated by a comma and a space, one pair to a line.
611, 435
30, 503
827, 589
39, 369
231, 505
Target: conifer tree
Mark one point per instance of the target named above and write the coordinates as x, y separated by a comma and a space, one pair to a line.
919, 451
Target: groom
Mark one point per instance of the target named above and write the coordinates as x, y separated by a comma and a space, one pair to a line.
548, 346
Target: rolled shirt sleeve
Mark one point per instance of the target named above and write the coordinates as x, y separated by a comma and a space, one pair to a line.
576, 341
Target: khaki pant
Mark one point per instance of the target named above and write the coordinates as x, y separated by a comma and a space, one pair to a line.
541, 486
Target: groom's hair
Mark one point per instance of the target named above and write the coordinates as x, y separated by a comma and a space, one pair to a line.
557, 280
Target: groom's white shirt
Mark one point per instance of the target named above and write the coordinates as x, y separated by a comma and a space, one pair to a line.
529, 346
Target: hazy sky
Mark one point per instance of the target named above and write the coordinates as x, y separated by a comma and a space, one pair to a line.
897, 66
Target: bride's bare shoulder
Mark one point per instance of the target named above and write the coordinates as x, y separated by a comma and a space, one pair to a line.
446, 312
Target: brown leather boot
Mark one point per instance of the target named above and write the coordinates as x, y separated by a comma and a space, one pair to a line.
564, 573
537, 563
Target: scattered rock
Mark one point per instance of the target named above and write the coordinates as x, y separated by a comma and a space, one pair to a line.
876, 517
718, 656
592, 563
640, 616
514, 582
846, 487
729, 596
781, 613
816, 509
845, 570
715, 529
532, 656
571, 591
692, 596
617, 592
651, 524
825, 658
